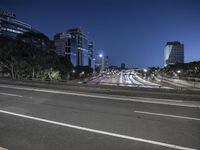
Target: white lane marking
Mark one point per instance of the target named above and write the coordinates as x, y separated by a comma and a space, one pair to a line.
156, 99
144, 100
99, 131
9, 94
167, 115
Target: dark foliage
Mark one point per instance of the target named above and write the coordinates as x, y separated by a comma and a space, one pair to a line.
29, 56
191, 69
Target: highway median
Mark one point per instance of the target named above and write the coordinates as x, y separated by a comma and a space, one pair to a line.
181, 94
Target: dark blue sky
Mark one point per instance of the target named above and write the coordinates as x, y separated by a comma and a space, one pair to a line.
130, 31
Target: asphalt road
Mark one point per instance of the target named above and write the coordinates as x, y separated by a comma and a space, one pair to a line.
38, 119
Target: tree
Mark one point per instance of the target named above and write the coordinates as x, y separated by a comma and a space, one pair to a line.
35, 51
9, 55
30, 55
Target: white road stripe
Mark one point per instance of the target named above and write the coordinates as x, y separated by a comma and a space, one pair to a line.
100, 132
8, 94
156, 99
143, 100
167, 115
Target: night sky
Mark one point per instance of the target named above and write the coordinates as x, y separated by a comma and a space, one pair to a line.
130, 31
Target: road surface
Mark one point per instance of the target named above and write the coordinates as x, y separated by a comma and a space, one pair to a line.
44, 119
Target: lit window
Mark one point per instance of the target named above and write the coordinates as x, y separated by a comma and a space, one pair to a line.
15, 31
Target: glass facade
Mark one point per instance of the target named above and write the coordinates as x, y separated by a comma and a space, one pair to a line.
10, 26
75, 46
78, 44
90, 54
173, 53
60, 41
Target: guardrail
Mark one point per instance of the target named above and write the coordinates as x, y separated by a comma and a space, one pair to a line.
84, 84
78, 83
107, 89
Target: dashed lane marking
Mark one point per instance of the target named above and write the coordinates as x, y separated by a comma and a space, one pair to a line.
167, 115
8, 94
101, 132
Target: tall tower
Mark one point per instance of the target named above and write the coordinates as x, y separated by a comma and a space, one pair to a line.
173, 53
78, 44
74, 44
90, 54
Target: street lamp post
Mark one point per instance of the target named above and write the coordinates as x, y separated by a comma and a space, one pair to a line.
179, 72
102, 62
145, 73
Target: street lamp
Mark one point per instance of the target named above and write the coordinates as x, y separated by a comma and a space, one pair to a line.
100, 55
102, 61
179, 72
82, 74
145, 70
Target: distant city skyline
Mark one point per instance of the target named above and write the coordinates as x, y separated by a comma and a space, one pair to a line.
133, 32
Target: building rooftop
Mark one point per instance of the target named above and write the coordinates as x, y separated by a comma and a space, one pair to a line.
173, 43
5, 14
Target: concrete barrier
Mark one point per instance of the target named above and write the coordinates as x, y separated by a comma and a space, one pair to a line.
182, 83
110, 89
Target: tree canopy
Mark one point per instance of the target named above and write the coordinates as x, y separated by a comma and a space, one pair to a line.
191, 69
31, 55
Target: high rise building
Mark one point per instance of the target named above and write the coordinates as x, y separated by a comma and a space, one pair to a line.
78, 45
60, 41
75, 46
90, 54
106, 62
11, 27
173, 53
123, 66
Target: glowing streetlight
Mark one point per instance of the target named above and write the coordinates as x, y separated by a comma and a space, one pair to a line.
145, 70
100, 55
102, 61
178, 71
73, 71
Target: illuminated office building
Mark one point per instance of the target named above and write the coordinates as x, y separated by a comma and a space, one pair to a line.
11, 27
173, 53
74, 44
